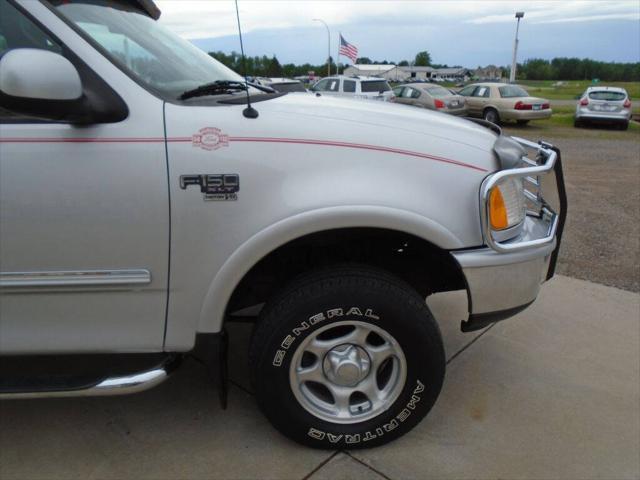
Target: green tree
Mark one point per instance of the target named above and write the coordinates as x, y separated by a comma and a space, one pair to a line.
423, 59
274, 69
536, 69
364, 61
403, 63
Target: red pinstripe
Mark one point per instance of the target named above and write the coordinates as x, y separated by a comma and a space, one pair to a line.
355, 145
298, 141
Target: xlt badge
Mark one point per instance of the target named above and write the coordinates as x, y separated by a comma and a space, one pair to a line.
214, 186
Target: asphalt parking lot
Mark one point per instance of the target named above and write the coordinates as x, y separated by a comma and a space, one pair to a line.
551, 393
602, 175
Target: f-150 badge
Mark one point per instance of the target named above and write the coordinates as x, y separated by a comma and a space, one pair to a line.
210, 138
219, 186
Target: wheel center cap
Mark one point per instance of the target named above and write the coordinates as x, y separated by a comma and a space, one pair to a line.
346, 365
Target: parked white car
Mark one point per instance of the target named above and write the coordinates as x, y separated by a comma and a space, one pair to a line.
145, 205
604, 105
371, 88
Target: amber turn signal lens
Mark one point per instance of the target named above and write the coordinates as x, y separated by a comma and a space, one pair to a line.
497, 210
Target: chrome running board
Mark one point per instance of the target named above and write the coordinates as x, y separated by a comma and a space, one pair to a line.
133, 383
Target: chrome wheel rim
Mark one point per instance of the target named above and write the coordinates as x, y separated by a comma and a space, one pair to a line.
348, 372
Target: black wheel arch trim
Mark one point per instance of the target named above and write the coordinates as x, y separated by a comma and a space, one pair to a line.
478, 321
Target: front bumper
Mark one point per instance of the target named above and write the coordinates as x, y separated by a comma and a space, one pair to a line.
500, 285
505, 277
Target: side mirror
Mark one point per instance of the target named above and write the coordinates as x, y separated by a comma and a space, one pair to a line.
42, 84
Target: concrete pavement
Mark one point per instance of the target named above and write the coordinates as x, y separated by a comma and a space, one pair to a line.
552, 393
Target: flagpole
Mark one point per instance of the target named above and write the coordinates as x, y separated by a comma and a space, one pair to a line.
338, 57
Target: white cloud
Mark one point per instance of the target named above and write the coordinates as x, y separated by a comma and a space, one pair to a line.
214, 18
540, 12
594, 18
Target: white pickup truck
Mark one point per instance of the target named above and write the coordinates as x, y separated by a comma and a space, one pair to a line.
144, 205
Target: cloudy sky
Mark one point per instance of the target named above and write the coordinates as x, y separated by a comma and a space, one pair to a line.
455, 32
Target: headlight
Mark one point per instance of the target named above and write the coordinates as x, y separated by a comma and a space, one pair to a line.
507, 204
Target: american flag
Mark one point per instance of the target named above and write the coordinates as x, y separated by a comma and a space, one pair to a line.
348, 50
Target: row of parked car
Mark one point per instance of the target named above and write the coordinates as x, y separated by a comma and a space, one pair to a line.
494, 102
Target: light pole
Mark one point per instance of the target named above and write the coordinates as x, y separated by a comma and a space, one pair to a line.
512, 75
328, 45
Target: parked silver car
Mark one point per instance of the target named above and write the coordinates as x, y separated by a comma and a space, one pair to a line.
432, 97
604, 105
145, 205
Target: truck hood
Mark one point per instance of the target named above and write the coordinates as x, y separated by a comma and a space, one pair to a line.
387, 116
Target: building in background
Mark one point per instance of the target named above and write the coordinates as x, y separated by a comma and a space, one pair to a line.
455, 74
394, 73
417, 73
388, 72
490, 72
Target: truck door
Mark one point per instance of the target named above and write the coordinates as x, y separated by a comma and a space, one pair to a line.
84, 210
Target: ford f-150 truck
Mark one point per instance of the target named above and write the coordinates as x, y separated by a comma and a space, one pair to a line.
144, 205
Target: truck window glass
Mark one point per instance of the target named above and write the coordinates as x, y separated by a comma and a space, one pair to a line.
321, 86
349, 86
17, 31
142, 47
375, 86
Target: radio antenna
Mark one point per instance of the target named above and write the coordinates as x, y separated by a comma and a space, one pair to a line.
248, 112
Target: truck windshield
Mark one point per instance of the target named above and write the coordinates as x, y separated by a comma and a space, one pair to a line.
152, 54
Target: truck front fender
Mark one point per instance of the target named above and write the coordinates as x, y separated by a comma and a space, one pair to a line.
265, 241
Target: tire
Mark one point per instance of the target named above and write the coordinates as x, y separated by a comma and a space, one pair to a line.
491, 115
325, 312
522, 122
624, 126
577, 123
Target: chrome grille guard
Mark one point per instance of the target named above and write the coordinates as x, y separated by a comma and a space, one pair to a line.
547, 160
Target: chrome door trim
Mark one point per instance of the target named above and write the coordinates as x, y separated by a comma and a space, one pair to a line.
75, 278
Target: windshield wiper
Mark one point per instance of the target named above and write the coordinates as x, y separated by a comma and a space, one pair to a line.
262, 88
219, 87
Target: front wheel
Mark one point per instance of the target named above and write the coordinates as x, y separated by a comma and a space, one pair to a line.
347, 358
